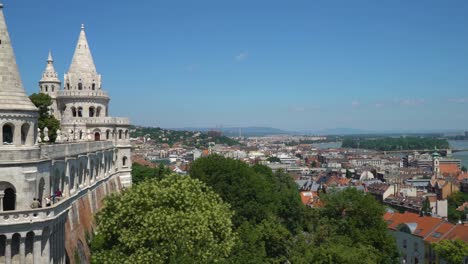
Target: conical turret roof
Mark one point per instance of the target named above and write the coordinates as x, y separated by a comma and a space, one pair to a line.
12, 94
82, 61
50, 75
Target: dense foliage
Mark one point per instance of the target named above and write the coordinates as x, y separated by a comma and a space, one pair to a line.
186, 138
140, 173
43, 102
453, 251
454, 201
396, 143
175, 220
274, 227
273, 159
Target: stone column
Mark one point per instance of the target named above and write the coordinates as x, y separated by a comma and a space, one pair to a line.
67, 184
22, 249
37, 250
8, 250
31, 137
17, 134
1, 201
46, 255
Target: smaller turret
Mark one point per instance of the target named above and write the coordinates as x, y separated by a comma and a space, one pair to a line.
50, 84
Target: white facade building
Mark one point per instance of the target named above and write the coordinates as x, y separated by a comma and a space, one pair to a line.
92, 159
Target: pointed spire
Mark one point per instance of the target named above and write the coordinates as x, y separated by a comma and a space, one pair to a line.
12, 94
49, 58
82, 61
49, 75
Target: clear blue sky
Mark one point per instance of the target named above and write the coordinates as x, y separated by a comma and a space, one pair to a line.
380, 65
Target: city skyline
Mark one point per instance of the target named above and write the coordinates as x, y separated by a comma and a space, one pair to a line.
300, 66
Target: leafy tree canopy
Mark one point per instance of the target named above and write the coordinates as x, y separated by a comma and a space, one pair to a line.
267, 206
43, 102
453, 251
175, 220
140, 173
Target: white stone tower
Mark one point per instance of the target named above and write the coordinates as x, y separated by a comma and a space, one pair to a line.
50, 84
18, 115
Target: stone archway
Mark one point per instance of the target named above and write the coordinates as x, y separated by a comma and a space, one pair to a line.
97, 136
9, 199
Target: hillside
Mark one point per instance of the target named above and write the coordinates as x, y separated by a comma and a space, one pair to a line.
186, 138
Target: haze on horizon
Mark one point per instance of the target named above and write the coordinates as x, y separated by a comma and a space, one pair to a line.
374, 65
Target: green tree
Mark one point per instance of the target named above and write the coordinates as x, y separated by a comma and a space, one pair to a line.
313, 164
140, 173
267, 206
453, 251
273, 159
43, 102
463, 168
426, 208
349, 175
175, 220
355, 218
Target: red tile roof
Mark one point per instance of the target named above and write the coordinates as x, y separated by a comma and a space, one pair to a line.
429, 228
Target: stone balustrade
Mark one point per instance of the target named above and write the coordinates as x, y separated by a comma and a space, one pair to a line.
58, 151
97, 120
84, 93
8, 218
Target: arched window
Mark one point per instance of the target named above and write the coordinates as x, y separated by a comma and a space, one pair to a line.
29, 247
126, 134
97, 136
24, 133
7, 134
108, 134
124, 161
80, 86
93, 86
68, 86
46, 88
73, 109
98, 111
80, 111
52, 87
120, 134
9, 199
91, 111
15, 248
42, 88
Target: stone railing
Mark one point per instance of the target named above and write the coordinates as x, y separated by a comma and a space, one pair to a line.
11, 154
96, 120
57, 151
33, 215
47, 213
73, 93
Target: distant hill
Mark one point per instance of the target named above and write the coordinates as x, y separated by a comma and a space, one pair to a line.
184, 137
246, 131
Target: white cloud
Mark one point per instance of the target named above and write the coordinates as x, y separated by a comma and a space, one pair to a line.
459, 100
242, 56
412, 102
379, 105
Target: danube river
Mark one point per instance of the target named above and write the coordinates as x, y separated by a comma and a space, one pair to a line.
460, 144
454, 144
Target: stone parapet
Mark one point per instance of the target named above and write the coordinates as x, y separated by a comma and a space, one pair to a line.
13, 154
58, 151
84, 93
97, 121
18, 217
